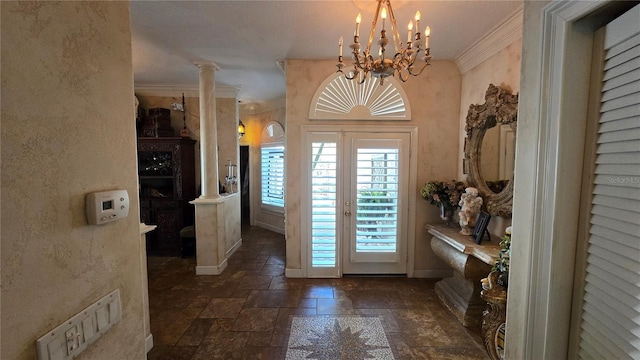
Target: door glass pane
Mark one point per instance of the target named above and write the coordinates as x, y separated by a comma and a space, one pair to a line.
323, 204
377, 200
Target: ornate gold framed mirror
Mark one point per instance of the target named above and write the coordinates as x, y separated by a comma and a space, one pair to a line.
489, 149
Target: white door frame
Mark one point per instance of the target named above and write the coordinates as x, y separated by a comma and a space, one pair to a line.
549, 159
412, 191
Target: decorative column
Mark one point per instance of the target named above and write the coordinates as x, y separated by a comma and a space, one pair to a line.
217, 237
208, 131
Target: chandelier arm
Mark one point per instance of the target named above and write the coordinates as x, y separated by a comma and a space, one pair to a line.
368, 61
361, 64
404, 79
347, 76
397, 59
421, 69
362, 74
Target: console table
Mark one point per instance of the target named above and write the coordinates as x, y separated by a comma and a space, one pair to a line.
470, 262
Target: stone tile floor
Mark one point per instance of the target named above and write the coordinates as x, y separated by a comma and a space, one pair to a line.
247, 311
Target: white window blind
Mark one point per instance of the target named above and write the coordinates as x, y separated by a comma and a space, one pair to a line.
610, 326
272, 170
377, 195
323, 204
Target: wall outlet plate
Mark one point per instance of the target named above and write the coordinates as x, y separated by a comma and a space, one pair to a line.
70, 338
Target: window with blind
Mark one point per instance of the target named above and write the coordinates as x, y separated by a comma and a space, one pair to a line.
610, 327
272, 174
272, 170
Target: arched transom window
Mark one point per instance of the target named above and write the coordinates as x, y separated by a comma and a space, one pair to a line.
338, 98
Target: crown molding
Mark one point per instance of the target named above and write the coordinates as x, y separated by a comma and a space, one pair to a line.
497, 39
273, 104
205, 64
221, 91
260, 107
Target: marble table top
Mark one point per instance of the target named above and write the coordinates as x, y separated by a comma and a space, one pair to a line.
486, 251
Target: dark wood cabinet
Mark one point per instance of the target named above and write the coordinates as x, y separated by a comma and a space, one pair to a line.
166, 175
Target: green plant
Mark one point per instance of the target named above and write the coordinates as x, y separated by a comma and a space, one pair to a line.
375, 197
502, 263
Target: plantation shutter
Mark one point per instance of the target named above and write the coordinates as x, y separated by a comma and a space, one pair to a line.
377, 200
611, 309
272, 167
324, 220
272, 170
323, 204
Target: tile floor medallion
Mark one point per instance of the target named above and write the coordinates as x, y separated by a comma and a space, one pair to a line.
344, 337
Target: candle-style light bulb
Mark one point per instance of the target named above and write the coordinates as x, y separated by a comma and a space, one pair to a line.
410, 28
383, 16
358, 20
427, 33
340, 45
418, 16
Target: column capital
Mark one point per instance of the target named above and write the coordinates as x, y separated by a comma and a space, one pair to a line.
206, 65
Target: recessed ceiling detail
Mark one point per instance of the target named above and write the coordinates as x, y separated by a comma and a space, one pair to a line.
338, 98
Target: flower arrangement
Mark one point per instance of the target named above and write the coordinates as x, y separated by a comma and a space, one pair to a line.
445, 193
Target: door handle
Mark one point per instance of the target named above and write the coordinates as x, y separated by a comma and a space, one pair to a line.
347, 213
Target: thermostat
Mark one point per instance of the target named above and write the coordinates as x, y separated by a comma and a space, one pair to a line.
105, 206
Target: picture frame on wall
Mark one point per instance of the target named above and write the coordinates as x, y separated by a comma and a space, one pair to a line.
481, 227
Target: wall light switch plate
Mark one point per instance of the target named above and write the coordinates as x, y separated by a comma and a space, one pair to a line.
70, 338
73, 338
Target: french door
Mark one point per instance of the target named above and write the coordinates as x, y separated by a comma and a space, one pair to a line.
357, 203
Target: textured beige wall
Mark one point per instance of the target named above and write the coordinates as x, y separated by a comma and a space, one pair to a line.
67, 130
232, 230
227, 120
502, 69
435, 103
254, 124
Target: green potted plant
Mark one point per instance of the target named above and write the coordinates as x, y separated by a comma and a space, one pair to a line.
501, 265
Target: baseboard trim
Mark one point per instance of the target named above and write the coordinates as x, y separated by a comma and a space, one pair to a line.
211, 270
432, 274
233, 249
148, 343
293, 273
270, 227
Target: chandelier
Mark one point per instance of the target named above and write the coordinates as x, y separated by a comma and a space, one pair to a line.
401, 63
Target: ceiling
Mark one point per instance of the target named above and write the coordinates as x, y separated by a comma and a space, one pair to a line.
246, 39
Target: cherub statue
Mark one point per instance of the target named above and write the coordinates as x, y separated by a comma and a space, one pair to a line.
470, 204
